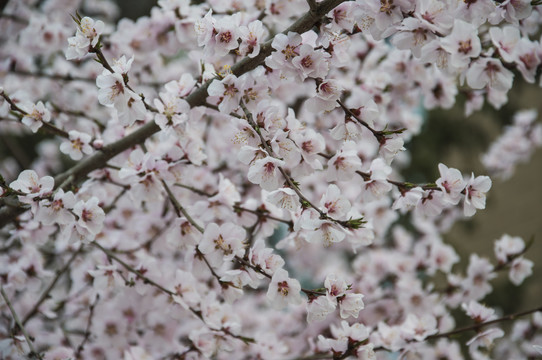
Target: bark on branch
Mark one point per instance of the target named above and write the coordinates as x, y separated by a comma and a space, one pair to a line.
198, 98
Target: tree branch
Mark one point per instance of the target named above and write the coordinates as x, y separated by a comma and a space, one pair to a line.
196, 98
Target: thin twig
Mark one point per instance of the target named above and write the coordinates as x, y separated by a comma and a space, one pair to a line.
45, 294
259, 212
78, 113
147, 243
196, 98
81, 346
179, 209
33, 353
379, 134
46, 126
146, 280
264, 214
475, 327
305, 202
258, 269
194, 190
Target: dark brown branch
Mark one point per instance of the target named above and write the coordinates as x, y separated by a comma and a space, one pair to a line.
197, 98
380, 135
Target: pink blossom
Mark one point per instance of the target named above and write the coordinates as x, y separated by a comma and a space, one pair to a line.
319, 308
222, 242
520, 269
226, 37
350, 305
478, 312
182, 87
408, 200
475, 194
451, 183
226, 93
462, 43
90, 215
78, 144
284, 198
31, 185
283, 290
310, 63
173, 110
36, 115
419, 328
505, 40
327, 94
105, 277
507, 247
87, 36
344, 163
334, 204
58, 209
265, 172
251, 38
287, 48
114, 93
489, 72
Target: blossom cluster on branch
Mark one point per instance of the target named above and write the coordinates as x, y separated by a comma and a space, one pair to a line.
222, 179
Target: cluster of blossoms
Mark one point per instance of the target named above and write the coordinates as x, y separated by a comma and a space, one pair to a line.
237, 190
515, 145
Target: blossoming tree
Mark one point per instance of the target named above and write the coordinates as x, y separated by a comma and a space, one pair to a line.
222, 180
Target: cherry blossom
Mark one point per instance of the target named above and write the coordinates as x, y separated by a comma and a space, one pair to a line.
344, 163
463, 43
490, 73
114, 93
225, 241
419, 328
265, 172
57, 210
78, 145
310, 63
87, 36
350, 305
173, 111
475, 194
31, 185
478, 312
36, 115
520, 269
237, 159
334, 204
90, 215
327, 94
251, 37
283, 290
451, 182
227, 93
319, 308
284, 198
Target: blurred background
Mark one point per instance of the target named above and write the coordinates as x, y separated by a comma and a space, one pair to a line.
514, 206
